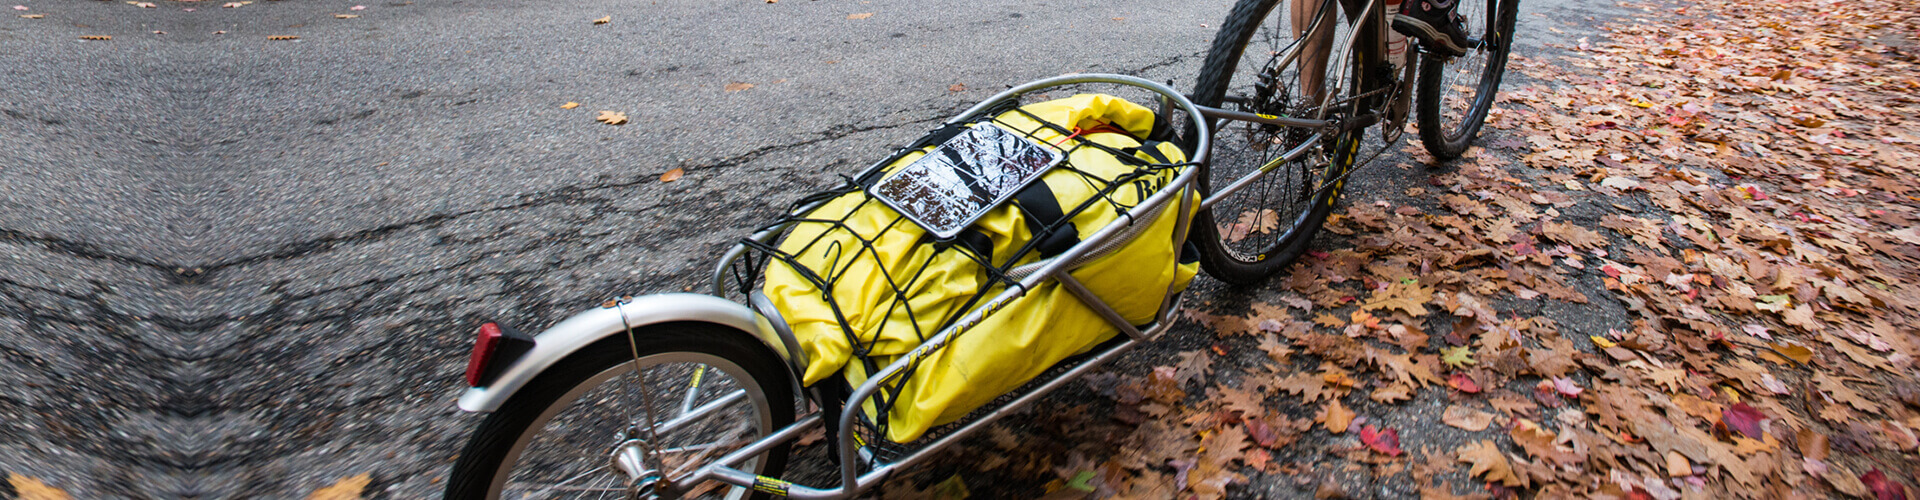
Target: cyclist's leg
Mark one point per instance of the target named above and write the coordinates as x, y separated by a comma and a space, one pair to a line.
1313, 57
1319, 44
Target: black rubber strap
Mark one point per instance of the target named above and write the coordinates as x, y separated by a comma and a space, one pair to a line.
1152, 149
970, 238
1045, 219
831, 393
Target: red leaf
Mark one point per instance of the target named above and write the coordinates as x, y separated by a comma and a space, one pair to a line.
1743, 418
1462, 383
1545, 393
1883, 489
1387, 441
1261, 432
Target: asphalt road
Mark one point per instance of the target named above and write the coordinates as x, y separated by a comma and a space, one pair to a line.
240, 267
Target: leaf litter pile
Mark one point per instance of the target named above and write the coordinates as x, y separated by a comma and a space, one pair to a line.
1731, 183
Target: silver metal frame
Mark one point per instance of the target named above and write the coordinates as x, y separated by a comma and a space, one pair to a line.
1057, 268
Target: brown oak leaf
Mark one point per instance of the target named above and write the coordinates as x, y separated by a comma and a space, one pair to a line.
1489, 462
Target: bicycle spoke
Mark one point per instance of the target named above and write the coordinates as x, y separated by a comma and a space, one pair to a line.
561, 485
703, 410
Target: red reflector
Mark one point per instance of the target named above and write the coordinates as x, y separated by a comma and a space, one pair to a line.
483, 349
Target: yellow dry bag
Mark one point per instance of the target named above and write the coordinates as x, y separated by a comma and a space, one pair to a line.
860, 285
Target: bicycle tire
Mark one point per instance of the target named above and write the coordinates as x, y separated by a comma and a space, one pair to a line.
1444, 138
491, 456
1223, 252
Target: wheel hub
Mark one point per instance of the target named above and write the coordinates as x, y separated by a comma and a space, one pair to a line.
630, 458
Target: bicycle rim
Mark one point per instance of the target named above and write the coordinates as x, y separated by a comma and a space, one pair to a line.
569, 451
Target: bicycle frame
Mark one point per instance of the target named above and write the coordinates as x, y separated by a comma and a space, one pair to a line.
853, 480
1372, 22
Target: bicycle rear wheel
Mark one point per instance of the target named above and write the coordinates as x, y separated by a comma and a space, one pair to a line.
1456, 92
1258, 230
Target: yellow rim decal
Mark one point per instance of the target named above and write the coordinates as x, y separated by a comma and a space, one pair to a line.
699, 371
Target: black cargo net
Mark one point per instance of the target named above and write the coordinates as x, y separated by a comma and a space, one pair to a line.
837, 238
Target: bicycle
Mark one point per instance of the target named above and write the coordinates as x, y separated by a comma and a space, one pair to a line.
1283, 159
575, 411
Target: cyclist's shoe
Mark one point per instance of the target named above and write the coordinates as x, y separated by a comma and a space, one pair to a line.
1438, 28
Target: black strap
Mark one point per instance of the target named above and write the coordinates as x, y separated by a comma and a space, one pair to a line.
1152, 149
831, 393
1045, 220
970, 238
941, 135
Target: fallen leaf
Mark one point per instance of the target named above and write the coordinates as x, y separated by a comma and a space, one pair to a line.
96, 37
1566, 387
20, 7
1457, 356
1262, 221
1744, 419
673, 175
1391, 394
1882, 488
28, 488
1843, 480
1407, 295
1840, 392
1463, 383
611, 117
1813, 443
1308, 386
283, 37
357, 7
1466, 418
33, 16
1539, 443
1337, 417
345, 16
348, 488
1384, 441
1193, 366
570, 105
958, 87
1677, 465
738, 86
603, 20
862, 15
953, 488
1487, 460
